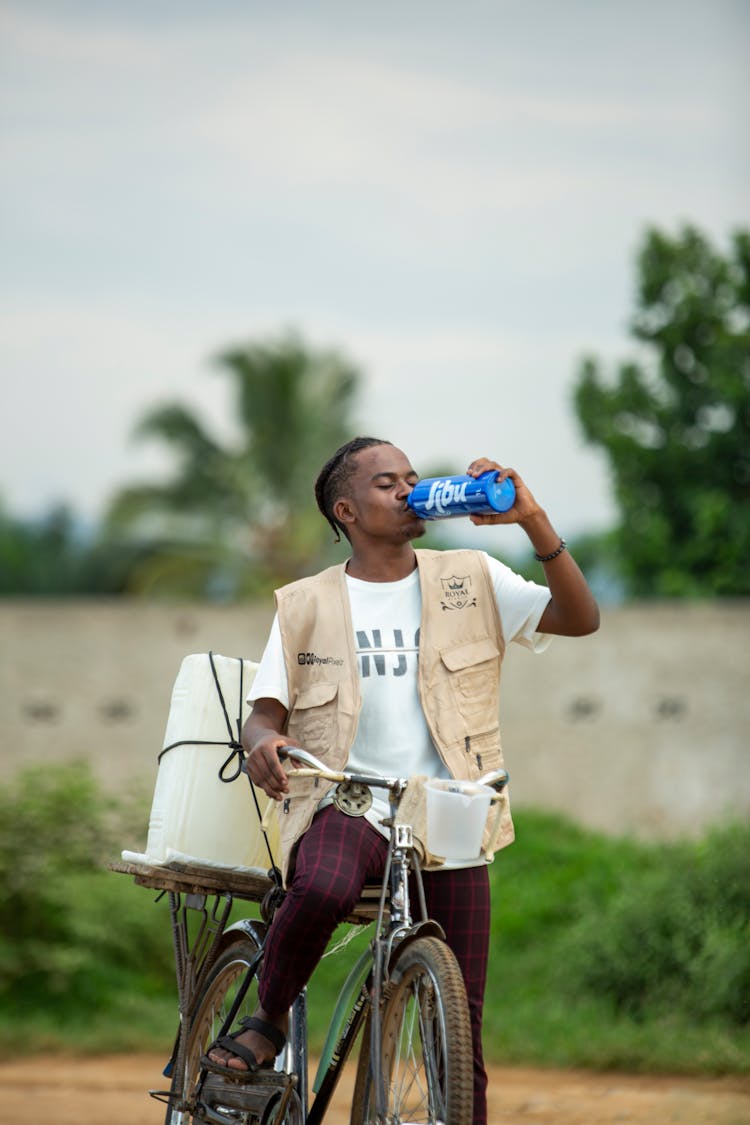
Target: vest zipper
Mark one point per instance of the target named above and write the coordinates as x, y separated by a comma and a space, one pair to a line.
467, 748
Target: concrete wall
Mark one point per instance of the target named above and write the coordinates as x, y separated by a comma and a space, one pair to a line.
643, 728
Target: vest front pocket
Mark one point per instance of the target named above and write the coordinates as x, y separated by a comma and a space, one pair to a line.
313, 720
474, 677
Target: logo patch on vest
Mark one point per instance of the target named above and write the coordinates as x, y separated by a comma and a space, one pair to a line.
457, 593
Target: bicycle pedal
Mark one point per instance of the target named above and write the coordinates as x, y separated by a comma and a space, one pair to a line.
251, 1095
263, 1076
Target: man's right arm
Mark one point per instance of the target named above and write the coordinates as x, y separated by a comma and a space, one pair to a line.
262, 738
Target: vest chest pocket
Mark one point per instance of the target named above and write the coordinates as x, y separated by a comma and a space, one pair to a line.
474, 677
313, 718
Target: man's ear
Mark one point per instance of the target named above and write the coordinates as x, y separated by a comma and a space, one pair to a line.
343, 511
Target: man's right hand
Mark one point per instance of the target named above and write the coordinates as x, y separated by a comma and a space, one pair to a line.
262, 739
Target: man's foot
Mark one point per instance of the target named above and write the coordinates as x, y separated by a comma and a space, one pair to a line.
254, 1045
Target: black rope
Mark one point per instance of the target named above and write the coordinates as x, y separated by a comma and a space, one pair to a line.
274, 871
239, 701
221, 693
235, 746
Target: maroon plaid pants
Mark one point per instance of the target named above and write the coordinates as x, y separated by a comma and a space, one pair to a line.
337, 855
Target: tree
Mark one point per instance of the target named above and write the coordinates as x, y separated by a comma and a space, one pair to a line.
675, 424
37, 557
240, 516
51, 556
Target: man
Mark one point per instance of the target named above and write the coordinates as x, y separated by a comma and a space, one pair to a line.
375, 663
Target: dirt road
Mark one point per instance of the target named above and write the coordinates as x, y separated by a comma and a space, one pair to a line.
112, 1091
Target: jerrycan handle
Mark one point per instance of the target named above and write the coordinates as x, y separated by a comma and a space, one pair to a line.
497, 780
498, 802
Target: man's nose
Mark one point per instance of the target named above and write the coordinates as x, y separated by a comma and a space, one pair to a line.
404, 489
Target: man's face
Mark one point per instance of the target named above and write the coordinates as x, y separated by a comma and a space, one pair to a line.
376, 502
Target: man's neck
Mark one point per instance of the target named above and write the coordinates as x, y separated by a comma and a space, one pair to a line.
382, 565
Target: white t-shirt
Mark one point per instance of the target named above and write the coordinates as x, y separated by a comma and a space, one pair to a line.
392, 736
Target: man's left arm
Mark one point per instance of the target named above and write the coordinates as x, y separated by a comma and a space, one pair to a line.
572, 610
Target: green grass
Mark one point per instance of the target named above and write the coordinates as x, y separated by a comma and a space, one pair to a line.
605, 953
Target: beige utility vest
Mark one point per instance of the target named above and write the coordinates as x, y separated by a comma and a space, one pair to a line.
461, 647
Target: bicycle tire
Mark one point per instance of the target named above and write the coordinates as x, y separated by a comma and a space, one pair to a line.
426, 1049
209, 1013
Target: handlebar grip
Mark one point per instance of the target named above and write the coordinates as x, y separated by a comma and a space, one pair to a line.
304, 757
495, 779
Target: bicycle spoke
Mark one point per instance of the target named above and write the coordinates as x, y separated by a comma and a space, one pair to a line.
432, 1036
409, 1065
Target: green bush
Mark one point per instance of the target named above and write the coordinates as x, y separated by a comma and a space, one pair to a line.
675, 938
68, 932
587, 963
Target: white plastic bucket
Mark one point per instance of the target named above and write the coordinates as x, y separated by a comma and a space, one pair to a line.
456, 817
194, 815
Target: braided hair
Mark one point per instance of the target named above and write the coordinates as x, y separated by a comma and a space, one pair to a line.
334, 477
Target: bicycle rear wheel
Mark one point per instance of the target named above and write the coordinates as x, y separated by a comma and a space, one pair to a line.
211, 1010
426, 1051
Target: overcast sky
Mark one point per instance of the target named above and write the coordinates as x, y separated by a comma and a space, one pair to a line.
450, 193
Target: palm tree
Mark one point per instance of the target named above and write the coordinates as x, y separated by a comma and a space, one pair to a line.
237, 517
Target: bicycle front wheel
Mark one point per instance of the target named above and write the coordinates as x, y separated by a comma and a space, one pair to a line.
425, 1050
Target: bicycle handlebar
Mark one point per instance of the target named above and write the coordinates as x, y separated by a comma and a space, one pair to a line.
313, 767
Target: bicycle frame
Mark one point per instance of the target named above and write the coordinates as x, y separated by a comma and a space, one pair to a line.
368, 977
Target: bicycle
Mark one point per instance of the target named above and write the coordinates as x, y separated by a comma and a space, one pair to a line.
405, 993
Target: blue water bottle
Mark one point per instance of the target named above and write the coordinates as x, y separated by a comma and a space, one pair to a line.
444, 498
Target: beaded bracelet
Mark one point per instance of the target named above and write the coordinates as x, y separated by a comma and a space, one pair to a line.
549, 558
